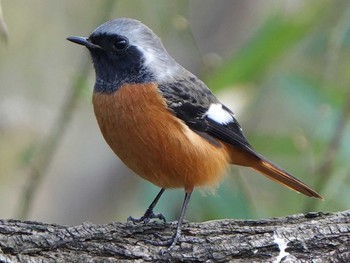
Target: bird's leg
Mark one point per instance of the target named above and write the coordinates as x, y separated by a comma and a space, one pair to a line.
149, 214
172, 242
177, 235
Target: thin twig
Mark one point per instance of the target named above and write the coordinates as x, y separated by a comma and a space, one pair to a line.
324, 171
3, 27
42, 160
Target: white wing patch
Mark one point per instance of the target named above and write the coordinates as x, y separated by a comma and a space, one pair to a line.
218, 114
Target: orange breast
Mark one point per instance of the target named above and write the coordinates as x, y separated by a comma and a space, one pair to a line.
154, 143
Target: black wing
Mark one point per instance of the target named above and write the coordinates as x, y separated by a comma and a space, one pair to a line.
190, 99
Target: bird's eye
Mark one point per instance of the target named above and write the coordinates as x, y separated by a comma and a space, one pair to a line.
121, 44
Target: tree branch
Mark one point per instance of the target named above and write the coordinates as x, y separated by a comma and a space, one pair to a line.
299, 238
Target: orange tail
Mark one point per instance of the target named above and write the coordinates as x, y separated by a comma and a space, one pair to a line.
280, 176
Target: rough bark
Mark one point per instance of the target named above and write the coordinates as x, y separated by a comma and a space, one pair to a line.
315, 237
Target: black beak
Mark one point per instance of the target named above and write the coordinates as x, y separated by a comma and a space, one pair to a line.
83, 41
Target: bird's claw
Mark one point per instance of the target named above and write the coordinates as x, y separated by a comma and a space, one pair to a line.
147, 217
164, 242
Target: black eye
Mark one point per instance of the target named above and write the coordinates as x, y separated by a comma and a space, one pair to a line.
121, 44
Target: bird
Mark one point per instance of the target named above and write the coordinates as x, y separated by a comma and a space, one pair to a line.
162, 121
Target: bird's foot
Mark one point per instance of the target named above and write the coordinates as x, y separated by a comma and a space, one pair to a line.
165, 242
147, 217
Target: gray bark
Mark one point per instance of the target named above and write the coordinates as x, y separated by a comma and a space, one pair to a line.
313, 237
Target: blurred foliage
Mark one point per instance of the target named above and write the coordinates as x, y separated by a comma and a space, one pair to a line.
293, 71
271, 41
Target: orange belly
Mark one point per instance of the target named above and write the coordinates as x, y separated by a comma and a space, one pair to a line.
155, 144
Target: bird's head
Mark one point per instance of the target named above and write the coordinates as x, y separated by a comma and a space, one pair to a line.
126, 51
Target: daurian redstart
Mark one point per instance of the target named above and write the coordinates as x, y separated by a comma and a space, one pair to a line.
162, 121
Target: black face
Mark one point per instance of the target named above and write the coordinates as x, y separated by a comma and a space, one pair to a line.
117, 62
